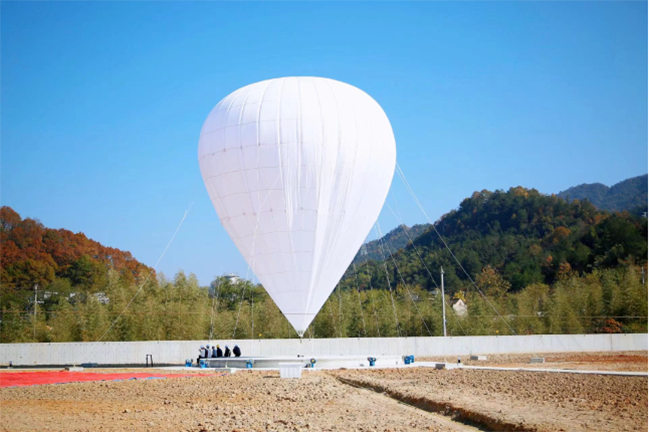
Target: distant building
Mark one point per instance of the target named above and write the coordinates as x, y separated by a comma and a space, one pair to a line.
102, 298
232, 277
49, 294
460, 308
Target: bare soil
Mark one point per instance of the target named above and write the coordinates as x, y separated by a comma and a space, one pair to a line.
245, 401
632, 361
347, 400
512, 400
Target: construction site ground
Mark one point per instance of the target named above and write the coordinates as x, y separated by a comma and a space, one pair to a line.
405, 399
632, 361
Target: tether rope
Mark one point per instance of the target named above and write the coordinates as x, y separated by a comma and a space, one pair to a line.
213, 303
147, 278
401, 222
390, 289
403, 282
252, 313
338, 290
363, 319
417, 201
329, 304
371, 294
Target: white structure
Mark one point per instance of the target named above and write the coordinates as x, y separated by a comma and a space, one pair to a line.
460, 308
102, 298
232, 277
290, 370
175, 352
298, 170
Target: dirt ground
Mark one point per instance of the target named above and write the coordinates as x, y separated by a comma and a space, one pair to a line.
417, 399
633, 361
530, 401
245, 401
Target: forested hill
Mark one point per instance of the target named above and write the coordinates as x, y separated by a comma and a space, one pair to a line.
630, 195
33, 254
393, 241
526, 236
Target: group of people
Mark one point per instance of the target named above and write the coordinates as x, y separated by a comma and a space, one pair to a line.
216, 352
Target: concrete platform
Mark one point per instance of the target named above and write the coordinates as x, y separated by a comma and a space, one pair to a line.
436, 365
322, 362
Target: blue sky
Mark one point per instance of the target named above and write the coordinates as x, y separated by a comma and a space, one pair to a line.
102, 103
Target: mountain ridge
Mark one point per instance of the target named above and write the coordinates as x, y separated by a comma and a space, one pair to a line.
526, 236
629, 194
392, 241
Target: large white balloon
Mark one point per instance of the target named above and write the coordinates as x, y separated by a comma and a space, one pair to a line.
298, 170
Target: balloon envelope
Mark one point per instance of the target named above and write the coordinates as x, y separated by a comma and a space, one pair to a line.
298, 170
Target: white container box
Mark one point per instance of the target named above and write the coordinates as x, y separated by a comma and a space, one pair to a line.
290, 370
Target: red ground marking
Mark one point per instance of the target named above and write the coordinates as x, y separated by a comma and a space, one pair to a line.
21, 379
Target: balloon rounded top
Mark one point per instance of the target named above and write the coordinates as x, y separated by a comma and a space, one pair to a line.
297, 169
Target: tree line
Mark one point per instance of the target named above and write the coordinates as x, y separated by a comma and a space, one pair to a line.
534, 263
605, 301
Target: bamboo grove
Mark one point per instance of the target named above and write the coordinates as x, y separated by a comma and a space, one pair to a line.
613, 300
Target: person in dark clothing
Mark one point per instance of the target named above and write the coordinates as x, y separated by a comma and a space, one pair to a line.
214, 352
219, 352
236, 351
226, 353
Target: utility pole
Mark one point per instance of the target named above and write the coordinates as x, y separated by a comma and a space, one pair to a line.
643, 275
35, 306
444, 316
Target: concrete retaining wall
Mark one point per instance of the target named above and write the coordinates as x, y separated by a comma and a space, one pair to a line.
175, 352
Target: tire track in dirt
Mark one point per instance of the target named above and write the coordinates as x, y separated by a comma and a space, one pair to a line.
458, 417
449, 422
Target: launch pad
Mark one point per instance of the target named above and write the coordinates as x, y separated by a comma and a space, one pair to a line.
315, 362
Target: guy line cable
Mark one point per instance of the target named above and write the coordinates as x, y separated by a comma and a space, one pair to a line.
149, 275
404, 283
390, 289
399, 219
417, 201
